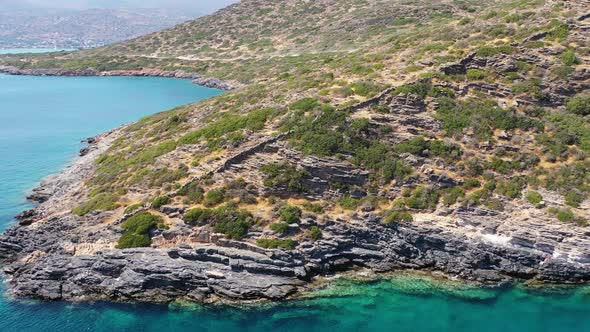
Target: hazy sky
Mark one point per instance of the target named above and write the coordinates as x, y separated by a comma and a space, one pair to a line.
197, 5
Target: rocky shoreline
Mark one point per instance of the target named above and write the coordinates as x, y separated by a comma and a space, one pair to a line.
196, 78
50, 255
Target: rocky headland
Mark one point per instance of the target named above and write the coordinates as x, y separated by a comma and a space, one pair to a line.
467, 154
53, 256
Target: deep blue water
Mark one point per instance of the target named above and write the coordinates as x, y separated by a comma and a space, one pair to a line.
42, 121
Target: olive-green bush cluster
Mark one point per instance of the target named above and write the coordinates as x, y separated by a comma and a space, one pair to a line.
284, 175
160, 201
395, 217
216, 132
214, 197
193, 192
315, 233
534, 197
137, 230
100, 201
268, 243
228, 220
483, 115
290, 214
569, 216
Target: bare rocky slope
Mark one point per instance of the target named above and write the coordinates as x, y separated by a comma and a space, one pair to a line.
454, 142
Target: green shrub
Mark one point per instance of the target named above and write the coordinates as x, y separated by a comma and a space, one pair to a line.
280, 227
558, 30
366, 89
489, 51
571, 129
569, 58
475, 75
531, 86
132, 208
422, 198
565, 215
198, 216
450, 196
397, 217
500, 165
349, 203
193, 191
216, 132
483, 115
315, 233
512, 18
511, 188
284, 175
132, 240
101, 201
267, 243
534, 197
313, 207
214, 197
419, 89
471, 183
160, 201
574, 199
439, 91
137, 229
523, 67
511, 75
479, 197
231, 222
380, 159
563, 71
290, 214
579, 105
305, 104
226, 219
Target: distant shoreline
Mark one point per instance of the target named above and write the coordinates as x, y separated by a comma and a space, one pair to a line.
196, 78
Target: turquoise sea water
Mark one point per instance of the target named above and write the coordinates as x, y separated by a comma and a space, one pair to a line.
42, 120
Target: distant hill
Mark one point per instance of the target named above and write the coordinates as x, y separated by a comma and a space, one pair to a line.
82, 28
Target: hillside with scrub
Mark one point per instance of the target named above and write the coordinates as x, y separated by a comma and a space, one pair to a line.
448, 135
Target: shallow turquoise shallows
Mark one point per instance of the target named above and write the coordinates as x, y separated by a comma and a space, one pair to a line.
42, 121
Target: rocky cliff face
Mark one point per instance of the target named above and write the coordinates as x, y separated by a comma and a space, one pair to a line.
475, 248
